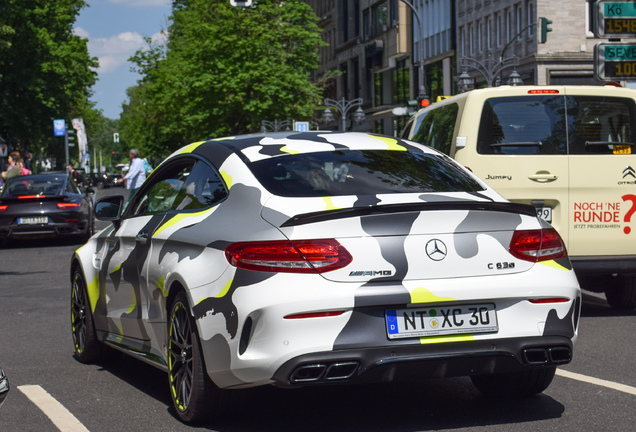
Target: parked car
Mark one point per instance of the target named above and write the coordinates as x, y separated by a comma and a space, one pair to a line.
567, 150
113, 180
42, 205
4, 387
299, 259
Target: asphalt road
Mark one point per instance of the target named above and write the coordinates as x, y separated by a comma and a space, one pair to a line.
51, 391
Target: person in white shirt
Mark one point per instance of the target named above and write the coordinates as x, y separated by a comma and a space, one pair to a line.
136, 174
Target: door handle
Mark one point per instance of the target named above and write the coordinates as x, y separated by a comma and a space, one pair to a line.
142, 237
543, 177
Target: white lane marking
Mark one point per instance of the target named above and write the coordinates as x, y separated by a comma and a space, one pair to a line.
55, 411
597, 381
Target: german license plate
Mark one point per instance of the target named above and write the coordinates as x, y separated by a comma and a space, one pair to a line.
545, 213
33, 220
441, 320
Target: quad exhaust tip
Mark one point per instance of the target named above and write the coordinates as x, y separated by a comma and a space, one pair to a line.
547, 355
324, 372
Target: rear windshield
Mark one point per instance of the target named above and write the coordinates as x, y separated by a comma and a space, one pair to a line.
557, 125
34, 185
366, 172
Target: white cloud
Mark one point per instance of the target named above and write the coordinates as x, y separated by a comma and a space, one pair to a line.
114, 52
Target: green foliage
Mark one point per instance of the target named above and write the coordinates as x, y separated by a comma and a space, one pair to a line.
45, 71
223, 70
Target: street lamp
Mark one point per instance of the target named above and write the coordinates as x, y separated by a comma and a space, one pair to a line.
490, 68
343, 106
422, 94
465, 82
275, 125
515, 79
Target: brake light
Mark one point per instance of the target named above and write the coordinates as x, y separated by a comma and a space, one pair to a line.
3, 208
298, 256
543, 92
537, 245
550, 300
66, 206
314, 315
29, 197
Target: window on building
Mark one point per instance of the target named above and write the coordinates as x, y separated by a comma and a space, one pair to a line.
498, 30
471, 47
378, 89
462, 41
489, 33
480, 36
395, 18
508, 25
530, 19
519, 13
380, 18
366, 29
400, 83
589, 17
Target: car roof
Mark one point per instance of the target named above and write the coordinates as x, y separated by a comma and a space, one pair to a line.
254, 147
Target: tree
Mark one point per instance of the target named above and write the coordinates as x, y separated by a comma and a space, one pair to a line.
222, 71
45, 70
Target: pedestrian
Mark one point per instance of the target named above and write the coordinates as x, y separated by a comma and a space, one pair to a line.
136, 173
77, 176
27, 162
15, 167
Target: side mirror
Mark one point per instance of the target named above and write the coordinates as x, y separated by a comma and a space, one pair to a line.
109, 208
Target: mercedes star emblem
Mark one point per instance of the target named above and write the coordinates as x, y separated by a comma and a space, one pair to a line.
436, 250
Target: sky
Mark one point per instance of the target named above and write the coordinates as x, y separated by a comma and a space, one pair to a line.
115, 30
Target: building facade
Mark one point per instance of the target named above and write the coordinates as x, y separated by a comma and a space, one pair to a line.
374, 48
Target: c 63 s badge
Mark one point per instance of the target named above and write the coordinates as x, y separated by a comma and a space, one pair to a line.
501, 265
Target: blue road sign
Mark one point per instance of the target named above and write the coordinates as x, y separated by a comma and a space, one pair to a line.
59, 127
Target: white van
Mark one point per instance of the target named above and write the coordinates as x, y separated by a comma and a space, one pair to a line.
568, 150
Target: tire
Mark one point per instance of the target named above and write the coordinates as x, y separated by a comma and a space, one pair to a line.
515, 384
621, 292
194, 395
88, 349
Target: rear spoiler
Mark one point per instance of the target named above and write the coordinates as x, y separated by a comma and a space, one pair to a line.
325, 215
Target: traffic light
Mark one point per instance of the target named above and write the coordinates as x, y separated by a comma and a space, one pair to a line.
423, 102
545, 28
70, 137
116, 137
241, 3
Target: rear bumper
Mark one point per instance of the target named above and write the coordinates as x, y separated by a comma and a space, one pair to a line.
403, 363
600, 265
44, 230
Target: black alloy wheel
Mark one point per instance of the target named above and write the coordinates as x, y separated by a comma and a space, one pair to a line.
88, 349
194, 395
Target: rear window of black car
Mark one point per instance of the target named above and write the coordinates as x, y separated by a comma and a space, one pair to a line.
364, 172
34, 185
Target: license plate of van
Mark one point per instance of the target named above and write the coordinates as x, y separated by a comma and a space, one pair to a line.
545, 213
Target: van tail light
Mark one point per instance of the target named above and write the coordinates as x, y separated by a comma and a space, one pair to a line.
537, 245
298, 256
3, 208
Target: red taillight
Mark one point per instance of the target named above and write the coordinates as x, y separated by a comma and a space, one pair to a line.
298, 256
314, 315
537, 245
543, 92
550, 300
29, 196
3, 208
66, 206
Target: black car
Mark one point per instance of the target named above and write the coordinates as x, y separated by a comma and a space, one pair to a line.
4, 386
45, 205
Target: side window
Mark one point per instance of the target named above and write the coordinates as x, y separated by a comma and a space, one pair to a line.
202, 188
523, 125
160, 195
435, 128
598, 125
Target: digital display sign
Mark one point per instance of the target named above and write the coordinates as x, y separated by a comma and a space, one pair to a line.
615, 61
615, 19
